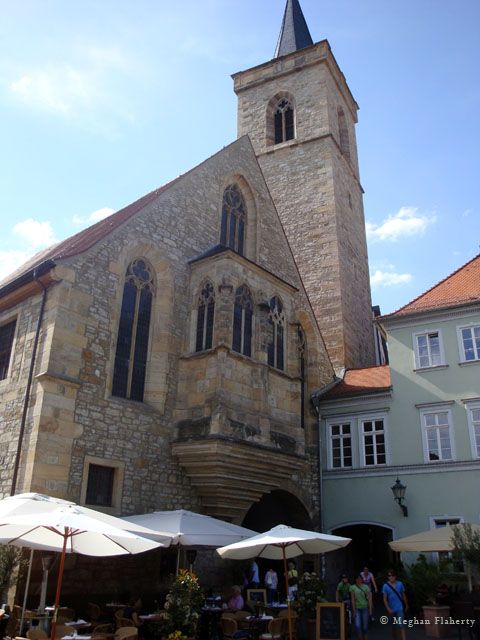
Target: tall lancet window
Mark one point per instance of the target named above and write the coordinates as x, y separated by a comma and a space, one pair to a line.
243, 321
205, 315
234, 219
276, 319
302, 348
133, 331
283, 121
343, 133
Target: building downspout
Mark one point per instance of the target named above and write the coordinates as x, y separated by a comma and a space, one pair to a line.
29, 385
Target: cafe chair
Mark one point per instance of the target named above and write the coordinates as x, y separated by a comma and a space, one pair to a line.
65, 614
275, 630
36, 634
102, 632
93, 613
230, 630
126, 633
62, 630
123, 622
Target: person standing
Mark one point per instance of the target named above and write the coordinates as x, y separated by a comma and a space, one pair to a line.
342, 595
369, 579
254, 577
292, 577
271, 583
361, 597
396, 604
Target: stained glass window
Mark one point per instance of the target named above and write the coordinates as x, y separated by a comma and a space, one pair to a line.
205, 315
7, 331
276, 319
243, 321
133, 332
234, 215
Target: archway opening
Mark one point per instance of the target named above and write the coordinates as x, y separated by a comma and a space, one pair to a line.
277, 507
369, 547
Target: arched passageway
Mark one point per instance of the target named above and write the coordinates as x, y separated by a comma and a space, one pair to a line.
277, 507
369, 546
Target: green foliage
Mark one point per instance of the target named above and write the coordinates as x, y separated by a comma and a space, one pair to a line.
10, 559
183, 604
467, 544
425, 578
311, 589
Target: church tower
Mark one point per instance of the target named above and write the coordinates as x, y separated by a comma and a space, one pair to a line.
300, 116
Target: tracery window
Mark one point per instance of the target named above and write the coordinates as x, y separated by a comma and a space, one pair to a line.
234, 219
302, 347
243, 321
205, 315
283, 121
133, 331
276, 319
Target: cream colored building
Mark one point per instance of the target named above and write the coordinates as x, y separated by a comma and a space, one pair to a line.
165, 357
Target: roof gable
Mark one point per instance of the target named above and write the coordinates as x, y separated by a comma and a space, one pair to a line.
360, 382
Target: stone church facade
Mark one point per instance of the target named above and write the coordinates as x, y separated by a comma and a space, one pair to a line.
165, 357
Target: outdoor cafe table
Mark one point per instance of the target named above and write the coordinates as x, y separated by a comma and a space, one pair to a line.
257, 624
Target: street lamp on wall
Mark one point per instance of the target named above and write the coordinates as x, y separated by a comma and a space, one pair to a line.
398, 491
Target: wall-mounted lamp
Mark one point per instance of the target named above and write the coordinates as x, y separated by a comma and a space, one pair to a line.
398, 491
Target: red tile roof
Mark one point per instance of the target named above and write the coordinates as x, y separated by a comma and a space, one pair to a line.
459, 288
361, 381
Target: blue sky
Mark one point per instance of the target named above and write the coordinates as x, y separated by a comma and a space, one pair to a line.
102, 101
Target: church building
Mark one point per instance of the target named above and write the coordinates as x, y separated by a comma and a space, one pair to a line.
166, 356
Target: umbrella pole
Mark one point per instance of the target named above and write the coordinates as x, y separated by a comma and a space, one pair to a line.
289, 612
178, 560
59, 584
27, 588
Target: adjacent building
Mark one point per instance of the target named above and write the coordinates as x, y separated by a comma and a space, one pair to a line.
416, 419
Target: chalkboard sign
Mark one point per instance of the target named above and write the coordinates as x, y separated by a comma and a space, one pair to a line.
330, 621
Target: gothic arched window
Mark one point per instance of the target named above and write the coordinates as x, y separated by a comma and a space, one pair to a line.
234, 218
133, 330
243, 321
283, 121
205, 314
302, 348
276, 319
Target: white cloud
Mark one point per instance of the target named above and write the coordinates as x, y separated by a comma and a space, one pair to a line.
405, 223
11, 260
388, 279
467, 212
34, 233
80, 90
95, 216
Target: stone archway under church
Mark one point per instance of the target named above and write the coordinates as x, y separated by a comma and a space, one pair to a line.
280, 507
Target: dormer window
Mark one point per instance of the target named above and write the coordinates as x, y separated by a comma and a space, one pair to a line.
234, 218
284, 121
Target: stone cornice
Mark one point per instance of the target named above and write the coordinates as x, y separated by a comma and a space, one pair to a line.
59, 379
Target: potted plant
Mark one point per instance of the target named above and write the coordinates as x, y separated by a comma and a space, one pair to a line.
426, 579
311, 590
182, 606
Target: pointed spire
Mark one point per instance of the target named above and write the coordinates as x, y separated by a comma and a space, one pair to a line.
294, 33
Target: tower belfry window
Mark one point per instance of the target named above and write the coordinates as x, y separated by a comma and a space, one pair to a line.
133, 331
205, 316
276, 319
283, 121
234, 218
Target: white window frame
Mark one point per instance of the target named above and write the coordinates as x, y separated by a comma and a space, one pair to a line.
361, 436
475, 442
332, 423
117, 489
427, 332
435, 410
461, 348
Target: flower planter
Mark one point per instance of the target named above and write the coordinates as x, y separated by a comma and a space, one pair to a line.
433, 626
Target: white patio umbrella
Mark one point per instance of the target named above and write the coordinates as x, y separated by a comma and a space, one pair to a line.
439, 539
189, 529
70, 528
281, 543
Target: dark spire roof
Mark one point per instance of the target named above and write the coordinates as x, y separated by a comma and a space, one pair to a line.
294, 33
